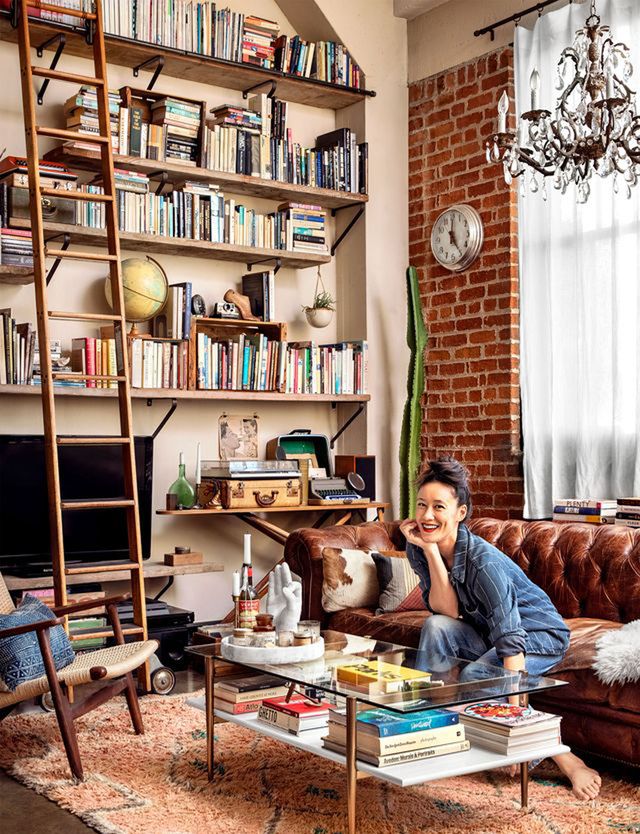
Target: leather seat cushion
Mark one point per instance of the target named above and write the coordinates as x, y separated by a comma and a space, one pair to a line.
401, 627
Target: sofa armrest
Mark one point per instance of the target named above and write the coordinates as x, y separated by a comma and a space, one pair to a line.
303, 554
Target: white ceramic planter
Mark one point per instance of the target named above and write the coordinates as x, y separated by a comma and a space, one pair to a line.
319, 316
275, 655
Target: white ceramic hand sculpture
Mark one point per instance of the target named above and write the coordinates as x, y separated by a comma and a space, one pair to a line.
284, 599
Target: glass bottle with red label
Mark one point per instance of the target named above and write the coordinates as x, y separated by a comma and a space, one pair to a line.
248, 602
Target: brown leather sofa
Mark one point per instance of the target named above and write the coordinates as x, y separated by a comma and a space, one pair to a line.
592, 574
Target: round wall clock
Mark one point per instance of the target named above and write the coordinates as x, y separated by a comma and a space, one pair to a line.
456, 237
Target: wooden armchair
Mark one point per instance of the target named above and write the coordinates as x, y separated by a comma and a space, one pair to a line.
114, 663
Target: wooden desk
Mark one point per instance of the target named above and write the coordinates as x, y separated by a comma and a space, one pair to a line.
279, 534
151, 570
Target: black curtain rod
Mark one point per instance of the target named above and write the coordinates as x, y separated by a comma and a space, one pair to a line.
539, 7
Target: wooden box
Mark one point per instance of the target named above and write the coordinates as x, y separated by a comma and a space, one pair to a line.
258, 494
192, 558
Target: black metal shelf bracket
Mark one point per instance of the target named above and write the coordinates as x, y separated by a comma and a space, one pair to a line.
61, 38
350, 226
165, 419
156, 59
361, 407
66, 240
278, 264
273, 86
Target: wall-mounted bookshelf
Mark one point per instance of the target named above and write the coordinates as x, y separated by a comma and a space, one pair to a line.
192, 67
179, 394
85, 160
187, 247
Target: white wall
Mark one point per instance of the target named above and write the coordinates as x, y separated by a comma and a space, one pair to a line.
375, 311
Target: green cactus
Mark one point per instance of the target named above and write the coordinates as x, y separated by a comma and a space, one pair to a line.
412, 416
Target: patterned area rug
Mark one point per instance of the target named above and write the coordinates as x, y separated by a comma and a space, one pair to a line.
158, 783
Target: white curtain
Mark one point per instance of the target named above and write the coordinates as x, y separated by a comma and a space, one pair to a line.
580, 304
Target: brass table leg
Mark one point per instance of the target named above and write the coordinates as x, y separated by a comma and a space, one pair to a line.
351, 763
524, 768
209, 679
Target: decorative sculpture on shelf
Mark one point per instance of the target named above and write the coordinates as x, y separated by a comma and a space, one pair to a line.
284, 599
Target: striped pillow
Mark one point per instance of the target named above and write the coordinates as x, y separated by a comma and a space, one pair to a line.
396, 579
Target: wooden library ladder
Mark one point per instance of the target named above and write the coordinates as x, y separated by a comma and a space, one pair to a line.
57, 505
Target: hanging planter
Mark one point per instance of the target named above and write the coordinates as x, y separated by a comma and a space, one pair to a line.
321, 311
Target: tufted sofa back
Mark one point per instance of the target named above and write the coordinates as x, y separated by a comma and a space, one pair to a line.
587, 570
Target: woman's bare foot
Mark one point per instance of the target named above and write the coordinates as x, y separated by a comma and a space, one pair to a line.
585, 782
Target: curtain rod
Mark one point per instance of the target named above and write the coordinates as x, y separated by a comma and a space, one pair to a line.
539, 7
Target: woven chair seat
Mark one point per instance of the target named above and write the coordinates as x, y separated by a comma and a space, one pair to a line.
117, 660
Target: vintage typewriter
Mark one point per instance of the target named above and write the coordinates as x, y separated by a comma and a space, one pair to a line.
335, 491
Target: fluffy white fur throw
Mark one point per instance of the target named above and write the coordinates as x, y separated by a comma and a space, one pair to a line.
618, 654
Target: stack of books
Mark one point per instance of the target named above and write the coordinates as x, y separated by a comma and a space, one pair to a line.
298, 715
81, 114
258, 39
628, 512
509, 729
16, 247
239, 696
379, 677
305, 227
180, 123
585, 510
388, 738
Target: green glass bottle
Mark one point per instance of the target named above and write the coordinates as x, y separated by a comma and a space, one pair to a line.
182, 489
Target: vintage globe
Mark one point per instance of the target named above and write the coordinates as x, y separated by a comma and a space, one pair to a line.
145, 288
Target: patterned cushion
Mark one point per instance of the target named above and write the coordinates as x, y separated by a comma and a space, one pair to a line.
413, 601
20, 656
349, 579
396, 579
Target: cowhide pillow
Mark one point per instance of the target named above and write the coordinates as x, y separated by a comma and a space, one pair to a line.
349, 579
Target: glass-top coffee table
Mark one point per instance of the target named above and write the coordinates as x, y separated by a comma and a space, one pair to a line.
454, 682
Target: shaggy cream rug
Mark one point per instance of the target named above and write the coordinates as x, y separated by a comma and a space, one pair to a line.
157, 784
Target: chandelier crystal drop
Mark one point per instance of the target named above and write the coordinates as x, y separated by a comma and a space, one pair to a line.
595, 128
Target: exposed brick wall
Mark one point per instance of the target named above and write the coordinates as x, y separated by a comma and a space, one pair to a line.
471, 403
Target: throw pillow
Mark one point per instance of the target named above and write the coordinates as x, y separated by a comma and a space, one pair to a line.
413, 601
349, 579
396, 579
20, 656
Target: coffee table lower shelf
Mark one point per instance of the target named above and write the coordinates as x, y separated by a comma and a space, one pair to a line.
411, 773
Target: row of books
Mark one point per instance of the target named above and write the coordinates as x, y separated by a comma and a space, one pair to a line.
204, 29
16, 247
17, 349
95, 356
174, 321
159, 364
199, 211
621, 511
256, 363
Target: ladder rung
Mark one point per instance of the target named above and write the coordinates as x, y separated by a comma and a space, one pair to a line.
85, 440
60, 314
77, 195
96, 503
110, 567
59, 75
60, 133
79, 256
126, 631
108, 377
57, 9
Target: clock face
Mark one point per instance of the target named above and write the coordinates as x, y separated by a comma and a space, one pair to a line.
456, 237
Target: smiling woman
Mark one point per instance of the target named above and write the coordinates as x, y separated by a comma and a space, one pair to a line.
485, 609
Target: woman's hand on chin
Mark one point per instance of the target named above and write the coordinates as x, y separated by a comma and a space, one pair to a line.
411, 531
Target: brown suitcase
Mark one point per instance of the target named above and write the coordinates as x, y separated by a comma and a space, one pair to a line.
57, 209
258, 494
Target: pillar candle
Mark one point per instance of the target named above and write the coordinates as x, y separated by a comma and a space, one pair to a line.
235, 587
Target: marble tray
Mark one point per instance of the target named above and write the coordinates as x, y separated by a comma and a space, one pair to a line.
274, 655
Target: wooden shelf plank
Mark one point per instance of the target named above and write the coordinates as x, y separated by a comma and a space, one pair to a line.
151, 570
16, 274
215, 71
306, 508
86, 160
179, 394
135, 242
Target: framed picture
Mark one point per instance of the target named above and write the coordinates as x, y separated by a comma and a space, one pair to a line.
238, 437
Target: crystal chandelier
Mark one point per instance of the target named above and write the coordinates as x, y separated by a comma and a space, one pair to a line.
595, 127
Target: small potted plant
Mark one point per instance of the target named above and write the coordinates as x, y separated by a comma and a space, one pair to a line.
320, 313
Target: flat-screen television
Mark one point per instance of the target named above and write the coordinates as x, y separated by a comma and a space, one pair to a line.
85, 472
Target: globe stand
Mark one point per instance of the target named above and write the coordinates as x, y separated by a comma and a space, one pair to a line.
134, 333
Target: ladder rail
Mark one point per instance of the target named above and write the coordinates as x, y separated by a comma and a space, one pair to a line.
40, 285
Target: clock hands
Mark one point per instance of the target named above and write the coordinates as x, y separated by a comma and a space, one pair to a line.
452, 237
